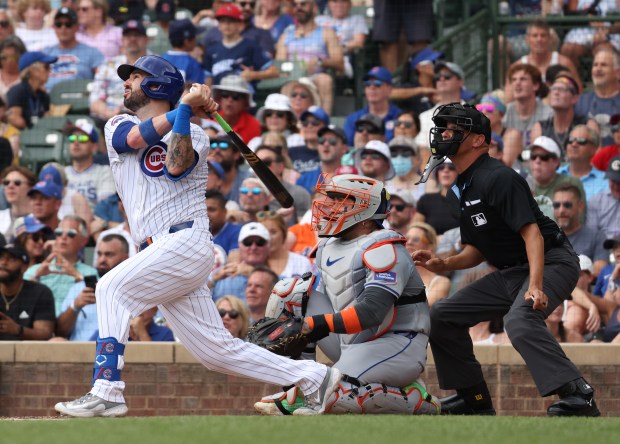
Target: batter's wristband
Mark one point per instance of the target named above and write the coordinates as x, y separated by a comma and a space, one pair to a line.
171, 116
148, 132
320, 327
181, 123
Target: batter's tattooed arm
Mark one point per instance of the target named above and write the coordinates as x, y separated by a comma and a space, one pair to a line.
180, 154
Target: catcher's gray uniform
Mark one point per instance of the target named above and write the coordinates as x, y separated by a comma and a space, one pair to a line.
394, 352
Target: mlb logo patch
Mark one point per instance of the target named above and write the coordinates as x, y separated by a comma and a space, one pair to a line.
479, 219
387, 277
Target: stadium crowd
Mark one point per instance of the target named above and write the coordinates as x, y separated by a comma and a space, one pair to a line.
560, 129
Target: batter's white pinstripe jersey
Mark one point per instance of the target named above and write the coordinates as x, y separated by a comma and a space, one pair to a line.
152, 201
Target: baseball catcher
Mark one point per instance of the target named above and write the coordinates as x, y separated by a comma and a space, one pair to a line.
369, 313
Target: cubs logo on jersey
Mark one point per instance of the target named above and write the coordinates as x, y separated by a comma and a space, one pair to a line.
154, 159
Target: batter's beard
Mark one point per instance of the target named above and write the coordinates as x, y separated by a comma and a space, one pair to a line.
136, 100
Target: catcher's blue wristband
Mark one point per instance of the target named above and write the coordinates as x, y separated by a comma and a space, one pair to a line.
148, 132
181, 123
171, 116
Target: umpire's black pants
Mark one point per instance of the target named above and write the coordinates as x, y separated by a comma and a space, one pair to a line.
501, 294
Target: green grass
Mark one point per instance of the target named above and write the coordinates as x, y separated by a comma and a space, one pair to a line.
314, 430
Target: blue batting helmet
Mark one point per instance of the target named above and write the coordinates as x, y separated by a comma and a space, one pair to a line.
163, 74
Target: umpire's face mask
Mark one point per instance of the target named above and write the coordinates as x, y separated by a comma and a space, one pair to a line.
446, 138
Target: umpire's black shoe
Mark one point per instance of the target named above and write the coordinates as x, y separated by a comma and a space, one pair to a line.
576, 399
456, 405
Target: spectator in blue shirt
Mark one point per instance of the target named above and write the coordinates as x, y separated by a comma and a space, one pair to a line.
377, 89
225, 234
75, 60
182, 36
235, 54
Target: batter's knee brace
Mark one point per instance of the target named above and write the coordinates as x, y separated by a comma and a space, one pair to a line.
109, 360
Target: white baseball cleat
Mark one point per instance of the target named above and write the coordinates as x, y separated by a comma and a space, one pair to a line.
90, 405
317, 401
283, 403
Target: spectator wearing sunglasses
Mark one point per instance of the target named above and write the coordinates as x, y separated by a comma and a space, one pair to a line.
377, 89
230, 160
374, 160
16, 182
302, 93
604, 155
368, 127
277, 115
305, 156
492, 105
449, 81
276, 162
440, 210
569, 209
93, 181
72, 201
234, 97
406, 161
235, 315
254, 197
62, 267
232, 278
581, 145
32, 236
76, 60
401, 213
11, 49
332, 146
563, 96
544, 162
604, 208
6, 25
236, 54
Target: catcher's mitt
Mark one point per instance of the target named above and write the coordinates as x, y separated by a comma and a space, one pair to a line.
280, 335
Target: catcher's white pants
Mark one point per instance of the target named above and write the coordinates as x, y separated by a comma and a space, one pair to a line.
171, 273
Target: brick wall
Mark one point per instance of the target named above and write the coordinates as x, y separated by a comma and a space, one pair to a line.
164, 379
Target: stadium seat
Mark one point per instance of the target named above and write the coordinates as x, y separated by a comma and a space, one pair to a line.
39, 146
72, 92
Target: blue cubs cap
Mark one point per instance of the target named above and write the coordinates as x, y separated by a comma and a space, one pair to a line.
134, 25
181, 30
29, 224
427, 54
28, 58
317, 112
48, 189
51, 174
379, 72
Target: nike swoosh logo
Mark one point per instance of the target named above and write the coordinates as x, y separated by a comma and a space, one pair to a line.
329, 262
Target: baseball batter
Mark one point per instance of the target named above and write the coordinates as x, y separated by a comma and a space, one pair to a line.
158, 160
372, 297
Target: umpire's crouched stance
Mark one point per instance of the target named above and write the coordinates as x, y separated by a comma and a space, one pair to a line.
500, 223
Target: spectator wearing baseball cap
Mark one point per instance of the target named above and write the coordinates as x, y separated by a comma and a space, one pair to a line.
31, 235
305, 156
368, 127
28, 101
182, 36
377, 89
604, 208
254, 245
234, 96
236, 54
374, 160
27, 312
602, 157
46, 200
83, 173
77, 61
544, 159
406, 161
